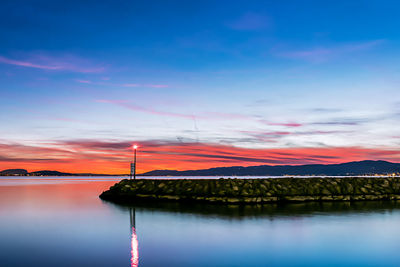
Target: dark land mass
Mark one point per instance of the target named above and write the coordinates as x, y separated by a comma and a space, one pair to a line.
14, 172
23, 172
366, 167
50, 173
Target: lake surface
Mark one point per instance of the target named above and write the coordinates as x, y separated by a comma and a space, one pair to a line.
62, 222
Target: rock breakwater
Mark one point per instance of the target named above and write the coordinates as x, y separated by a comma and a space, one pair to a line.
256, 190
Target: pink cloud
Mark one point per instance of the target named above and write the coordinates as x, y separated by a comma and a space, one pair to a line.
289, 124
27, 64
60, 63
145, 85
84, 81
156, 85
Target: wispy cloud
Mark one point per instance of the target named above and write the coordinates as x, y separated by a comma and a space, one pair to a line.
104, 82
344, 121
84, 81
135, 107
204, 115
326, 110
224, 115
130, 85
332, 122
264, 136
156, 85
27, 64
250, 21
54, 63
145, 85
284, 124
336, 123
272, 136
321, 54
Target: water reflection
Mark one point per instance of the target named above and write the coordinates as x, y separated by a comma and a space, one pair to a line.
302, 234
270, 211
312, 234
134, 240
297, 213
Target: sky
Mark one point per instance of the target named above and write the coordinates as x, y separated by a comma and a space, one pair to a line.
197, 84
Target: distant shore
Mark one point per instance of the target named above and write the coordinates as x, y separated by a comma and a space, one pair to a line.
355, 168
236, 191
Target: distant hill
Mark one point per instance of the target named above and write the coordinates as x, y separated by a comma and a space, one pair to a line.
22, 172
14, 172
50, 173
365, 167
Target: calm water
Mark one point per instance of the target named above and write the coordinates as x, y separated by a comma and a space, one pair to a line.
62, 222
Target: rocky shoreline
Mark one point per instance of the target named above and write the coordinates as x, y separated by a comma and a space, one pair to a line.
250, 191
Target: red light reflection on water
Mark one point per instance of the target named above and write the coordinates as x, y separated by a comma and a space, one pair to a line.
135, 249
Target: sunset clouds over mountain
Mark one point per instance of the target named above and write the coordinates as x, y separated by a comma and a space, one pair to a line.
197, 85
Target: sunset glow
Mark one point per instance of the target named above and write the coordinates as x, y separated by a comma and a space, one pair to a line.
195, 85
114, 157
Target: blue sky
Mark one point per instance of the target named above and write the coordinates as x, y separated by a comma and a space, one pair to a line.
255, 75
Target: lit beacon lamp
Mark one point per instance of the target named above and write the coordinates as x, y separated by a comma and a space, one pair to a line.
133, 164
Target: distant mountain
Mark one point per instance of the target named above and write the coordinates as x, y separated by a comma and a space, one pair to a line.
14, 172
57, 173
22, 172
50, 173
365, 167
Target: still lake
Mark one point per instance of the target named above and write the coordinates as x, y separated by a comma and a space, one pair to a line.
56, 221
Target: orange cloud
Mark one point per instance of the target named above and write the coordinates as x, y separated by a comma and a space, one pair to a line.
113, 157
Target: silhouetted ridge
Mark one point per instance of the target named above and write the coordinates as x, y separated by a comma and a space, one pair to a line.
366, 167
50, 173
14, 172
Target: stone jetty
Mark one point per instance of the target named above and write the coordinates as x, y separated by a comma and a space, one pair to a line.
236, 191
